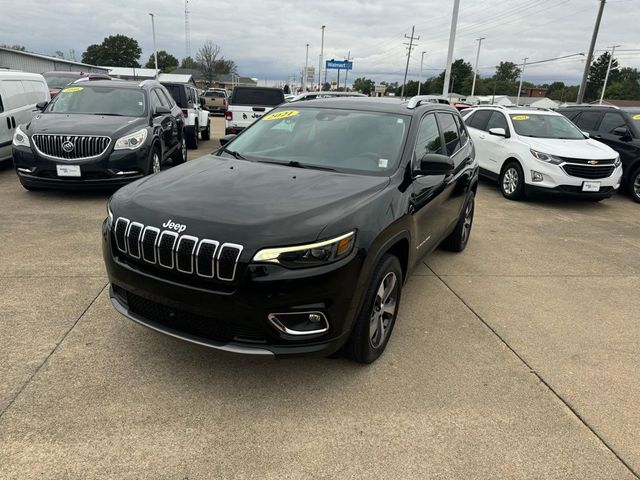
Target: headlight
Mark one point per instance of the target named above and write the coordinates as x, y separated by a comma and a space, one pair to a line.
545, 157
618, 162
311, 255
109, 214
132, 141
20, 138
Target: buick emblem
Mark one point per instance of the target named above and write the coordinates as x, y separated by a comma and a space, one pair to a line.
67, 146
592, 162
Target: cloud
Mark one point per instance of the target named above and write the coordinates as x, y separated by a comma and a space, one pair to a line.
267, 38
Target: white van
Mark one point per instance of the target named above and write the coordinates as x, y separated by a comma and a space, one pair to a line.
19, 93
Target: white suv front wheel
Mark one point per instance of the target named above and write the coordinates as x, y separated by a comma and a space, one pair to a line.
512, 181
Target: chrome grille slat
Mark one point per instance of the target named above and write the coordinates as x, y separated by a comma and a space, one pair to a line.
85, 146
182, 253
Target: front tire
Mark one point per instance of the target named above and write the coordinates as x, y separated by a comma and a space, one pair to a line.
634, 185
180, 155
457, 241
512, 181
155, 161
192, 138
378, 313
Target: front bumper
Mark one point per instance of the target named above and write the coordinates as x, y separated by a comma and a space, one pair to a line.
234, 316
35, 170
557, 181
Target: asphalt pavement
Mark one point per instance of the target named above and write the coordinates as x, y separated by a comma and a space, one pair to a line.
515, 359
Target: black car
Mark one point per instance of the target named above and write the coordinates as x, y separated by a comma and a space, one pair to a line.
620, 129
99, 134
297, 235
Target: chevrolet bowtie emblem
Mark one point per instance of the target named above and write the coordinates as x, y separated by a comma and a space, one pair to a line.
592, 162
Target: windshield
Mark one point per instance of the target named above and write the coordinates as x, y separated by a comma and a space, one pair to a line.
59, 81
343, 140
94, 100
545, 126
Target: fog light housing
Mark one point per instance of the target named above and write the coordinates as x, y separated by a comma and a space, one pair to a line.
536, 176
300, 323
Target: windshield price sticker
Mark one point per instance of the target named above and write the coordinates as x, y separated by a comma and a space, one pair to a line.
281, 115
520, 117
636, 117
72, 89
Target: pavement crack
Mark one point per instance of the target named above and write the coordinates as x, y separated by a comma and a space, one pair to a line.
53, 350
538, 375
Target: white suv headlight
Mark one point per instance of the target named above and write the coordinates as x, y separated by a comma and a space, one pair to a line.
545, 157
311, 255
132, 141
618, 162
20, 139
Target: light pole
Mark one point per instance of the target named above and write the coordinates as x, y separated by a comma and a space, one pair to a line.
524, 64
420, 77
321, 58
606, 77
155, 51
452, 39
306, 67
592, 45
475, 70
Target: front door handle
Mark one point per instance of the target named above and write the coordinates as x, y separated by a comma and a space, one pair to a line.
13, 121
481, 136
8, 123
597, 137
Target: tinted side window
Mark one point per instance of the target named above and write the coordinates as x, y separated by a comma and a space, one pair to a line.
497, 120
611, 121
1, 105
480, 119
178, 96
163, 98
464, 136
155, 100
257, 96
428, 140
587, 120
450, 132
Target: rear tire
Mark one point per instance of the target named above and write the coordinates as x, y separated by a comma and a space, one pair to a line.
634, 185
180, 155
377, 316
457, 241
206, 133
512, 181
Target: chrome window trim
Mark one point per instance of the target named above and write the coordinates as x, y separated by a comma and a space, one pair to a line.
216, 244
71, 160
235, 264
127, 238
173, 246
155, 257
115, 233
186, 237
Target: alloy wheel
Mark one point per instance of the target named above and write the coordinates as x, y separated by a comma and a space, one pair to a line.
184, 149
384, 308
636, 186
156, 162
468, 219
510, 181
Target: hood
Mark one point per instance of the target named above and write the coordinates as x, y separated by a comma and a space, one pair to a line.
80, 124
587, 148
250, 203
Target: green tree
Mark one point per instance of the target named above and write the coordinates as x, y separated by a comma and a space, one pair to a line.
507, 72
597, 72
188, 62
626, 87
363, 85
13, 47
326, 86
114, 51
166, 62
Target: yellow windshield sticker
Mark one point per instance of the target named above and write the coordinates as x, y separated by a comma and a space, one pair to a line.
520, 117
281, 115
72, 89
636, 117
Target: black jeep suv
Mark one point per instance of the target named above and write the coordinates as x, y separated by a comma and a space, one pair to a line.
620, 129
99, 134
297, 235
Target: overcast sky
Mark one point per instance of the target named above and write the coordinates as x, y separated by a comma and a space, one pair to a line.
267, 38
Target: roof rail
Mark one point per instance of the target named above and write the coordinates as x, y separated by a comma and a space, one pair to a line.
592, 105
418, 100
491, 105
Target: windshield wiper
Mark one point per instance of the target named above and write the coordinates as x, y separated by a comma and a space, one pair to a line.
233, 153
110, 114
296, 164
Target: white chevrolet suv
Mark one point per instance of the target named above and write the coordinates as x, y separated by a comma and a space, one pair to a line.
530, 150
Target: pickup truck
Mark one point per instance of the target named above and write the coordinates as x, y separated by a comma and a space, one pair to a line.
215, 100
247, 104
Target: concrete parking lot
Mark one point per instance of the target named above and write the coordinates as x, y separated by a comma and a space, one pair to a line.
518, 358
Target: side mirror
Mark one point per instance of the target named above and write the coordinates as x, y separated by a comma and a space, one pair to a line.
436, 164
226, 139
41, 106
586, 134
621, 132
161, 110
498, 132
